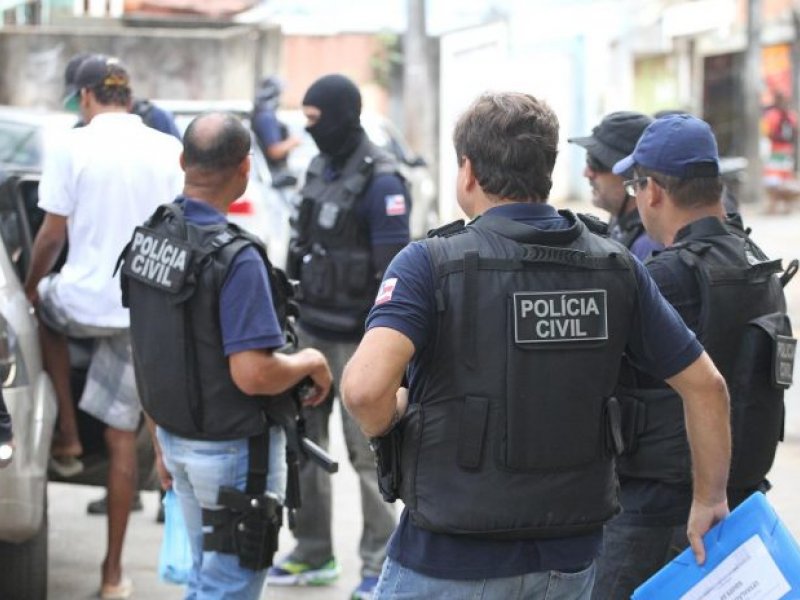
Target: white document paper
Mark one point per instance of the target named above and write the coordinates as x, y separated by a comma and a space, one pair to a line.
748, 573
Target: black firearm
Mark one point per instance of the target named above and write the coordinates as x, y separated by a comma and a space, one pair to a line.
286, 411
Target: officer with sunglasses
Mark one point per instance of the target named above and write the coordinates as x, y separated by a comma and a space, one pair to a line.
612, 140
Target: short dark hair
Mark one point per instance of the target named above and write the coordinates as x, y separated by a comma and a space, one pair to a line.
688, 192
223, 148
112, 96
511, 139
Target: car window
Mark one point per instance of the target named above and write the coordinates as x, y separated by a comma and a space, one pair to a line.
19, 144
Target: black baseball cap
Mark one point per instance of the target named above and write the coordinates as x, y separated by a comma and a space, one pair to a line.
69, 75
615, 137
94, 71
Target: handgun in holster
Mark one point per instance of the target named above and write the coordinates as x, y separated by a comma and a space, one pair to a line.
387, 462
249, 522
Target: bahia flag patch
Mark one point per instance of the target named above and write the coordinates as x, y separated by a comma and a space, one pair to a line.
395, 205
386, 291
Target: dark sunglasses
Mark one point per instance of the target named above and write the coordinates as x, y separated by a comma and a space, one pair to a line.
595, 165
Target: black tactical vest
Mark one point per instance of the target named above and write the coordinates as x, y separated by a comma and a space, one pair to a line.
171, 280
514, 433
330, 252
746, 332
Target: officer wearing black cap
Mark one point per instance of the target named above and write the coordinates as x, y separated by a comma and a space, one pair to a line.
152, 115
613, 139
510, 332
353, 219
208, 321
730, 294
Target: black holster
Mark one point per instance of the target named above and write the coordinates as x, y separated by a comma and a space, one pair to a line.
249, 522
387, 461
248, 527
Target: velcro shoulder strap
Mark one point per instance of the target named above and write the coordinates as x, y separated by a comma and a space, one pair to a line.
449, 229
593, 224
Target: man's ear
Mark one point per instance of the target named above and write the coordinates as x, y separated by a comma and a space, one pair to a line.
244, 167
655, 193
470, 181
182, 162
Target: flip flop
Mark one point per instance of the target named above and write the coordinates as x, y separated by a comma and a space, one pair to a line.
119, 591
65, 466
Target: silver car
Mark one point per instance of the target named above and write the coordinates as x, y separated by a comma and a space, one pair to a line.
31, 402
27, 389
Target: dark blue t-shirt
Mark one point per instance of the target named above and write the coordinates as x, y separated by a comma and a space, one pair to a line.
267, 128
162, 120
246, 313
659, 342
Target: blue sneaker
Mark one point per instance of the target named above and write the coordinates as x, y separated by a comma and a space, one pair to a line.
290, 573
365, 589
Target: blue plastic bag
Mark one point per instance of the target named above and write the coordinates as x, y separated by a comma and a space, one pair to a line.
175, 558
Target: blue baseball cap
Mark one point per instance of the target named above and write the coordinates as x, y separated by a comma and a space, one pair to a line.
677, 145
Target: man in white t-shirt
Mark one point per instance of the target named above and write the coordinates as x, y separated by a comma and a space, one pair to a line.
98, 183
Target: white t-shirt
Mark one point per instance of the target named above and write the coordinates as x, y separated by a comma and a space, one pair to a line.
106, 178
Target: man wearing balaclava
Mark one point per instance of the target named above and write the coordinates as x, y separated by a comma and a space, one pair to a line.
353, 219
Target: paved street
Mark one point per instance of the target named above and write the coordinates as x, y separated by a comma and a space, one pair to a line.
77, 540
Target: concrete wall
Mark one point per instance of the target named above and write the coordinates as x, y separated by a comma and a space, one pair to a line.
213, 64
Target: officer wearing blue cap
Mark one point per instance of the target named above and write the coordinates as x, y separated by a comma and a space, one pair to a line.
729, 293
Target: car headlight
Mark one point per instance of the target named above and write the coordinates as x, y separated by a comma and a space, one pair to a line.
12, 366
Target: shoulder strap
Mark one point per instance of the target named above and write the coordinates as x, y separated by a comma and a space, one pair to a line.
593, 224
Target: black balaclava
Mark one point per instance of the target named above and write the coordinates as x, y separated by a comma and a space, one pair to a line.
338, 131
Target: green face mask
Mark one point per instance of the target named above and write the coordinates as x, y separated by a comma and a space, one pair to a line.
72, 104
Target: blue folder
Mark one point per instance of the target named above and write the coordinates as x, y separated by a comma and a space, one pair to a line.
749, 556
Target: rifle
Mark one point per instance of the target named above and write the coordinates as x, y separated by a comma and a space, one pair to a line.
286, 411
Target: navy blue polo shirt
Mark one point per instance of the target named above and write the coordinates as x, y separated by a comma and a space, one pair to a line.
246, 313
659, 342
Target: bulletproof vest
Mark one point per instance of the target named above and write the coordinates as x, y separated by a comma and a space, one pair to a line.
515, 430
745, 330
627, 228
330, 251
172, 276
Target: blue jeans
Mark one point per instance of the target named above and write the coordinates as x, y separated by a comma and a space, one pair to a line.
198, 470
632, 554
398, 582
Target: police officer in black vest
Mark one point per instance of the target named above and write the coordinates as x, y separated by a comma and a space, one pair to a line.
510, 331
353, 219
612, 140
208, 314
730, 294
